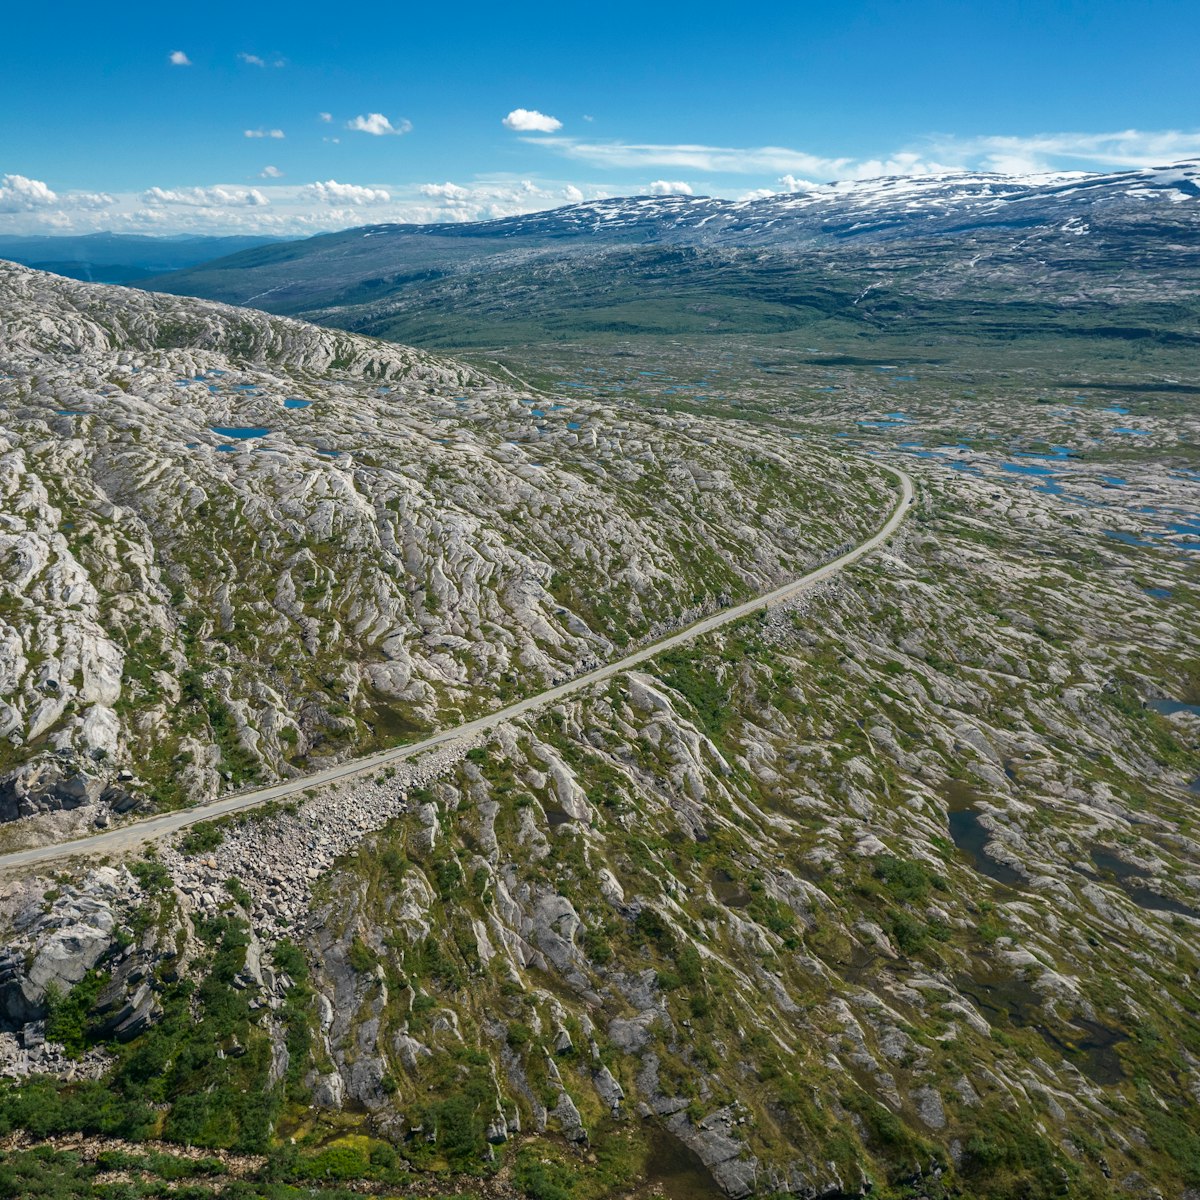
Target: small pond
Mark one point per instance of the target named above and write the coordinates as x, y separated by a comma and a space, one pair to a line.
1010, 1000
1127, 539
1026, 469
1126, 875
241, 432
970, 835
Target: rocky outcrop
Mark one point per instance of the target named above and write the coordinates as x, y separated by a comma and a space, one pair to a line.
56, 936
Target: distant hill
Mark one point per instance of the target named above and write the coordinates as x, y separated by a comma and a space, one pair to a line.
120, 257
929, 249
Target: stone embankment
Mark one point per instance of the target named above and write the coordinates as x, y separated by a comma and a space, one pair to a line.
277, 854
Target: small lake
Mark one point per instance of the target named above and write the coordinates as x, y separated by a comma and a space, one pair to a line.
240, 432
675, 1171
1158, 593
1169, 707
971, 837
1087, 1044
1126, 875
1026, 469
292, 402
1126, 539
1132, 432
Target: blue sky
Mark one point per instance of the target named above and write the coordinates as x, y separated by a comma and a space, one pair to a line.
294, 118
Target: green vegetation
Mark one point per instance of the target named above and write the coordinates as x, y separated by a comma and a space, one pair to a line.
201, 838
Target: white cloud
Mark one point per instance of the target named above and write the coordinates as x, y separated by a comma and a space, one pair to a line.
671, 187
445, 191
283, 208
379, 125
91, 200
270, 173
529, 120
1045, 151
332, 192
936, 155
207, 197
252, 60
326, 117
792, 185
177, 58
264, 133
18, 194
696, 157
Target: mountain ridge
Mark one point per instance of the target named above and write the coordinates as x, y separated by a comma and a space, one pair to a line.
891, 239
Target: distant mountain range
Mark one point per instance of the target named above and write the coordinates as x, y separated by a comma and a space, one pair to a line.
1016, 252
928, 249
120, 257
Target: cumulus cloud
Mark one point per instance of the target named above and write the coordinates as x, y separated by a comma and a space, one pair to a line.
378, 125
177, 58
332, 192
529, 120
252, 60
18, 194
792, 185
277, 208
207, 197
326, 117
270, 173
264, 133
670, 187
445, 191
91, 200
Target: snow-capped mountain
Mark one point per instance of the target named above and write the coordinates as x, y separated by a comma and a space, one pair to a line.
472, 280
895, 204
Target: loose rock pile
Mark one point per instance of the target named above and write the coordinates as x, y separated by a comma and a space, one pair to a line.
278, 860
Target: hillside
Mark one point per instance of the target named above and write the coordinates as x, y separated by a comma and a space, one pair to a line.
240, 547
894, 889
